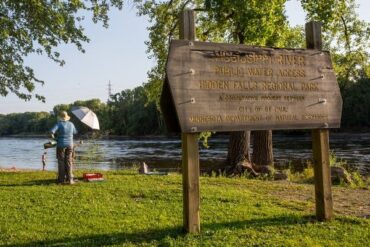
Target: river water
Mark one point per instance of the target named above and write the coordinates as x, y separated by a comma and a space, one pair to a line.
112, 154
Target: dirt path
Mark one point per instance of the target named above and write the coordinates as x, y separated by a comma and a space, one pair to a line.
347, 201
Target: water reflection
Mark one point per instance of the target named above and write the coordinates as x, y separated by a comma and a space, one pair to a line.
118, 154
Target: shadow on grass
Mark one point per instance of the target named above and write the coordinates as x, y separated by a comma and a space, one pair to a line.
43, 182
32, 183
158, 235
54, 181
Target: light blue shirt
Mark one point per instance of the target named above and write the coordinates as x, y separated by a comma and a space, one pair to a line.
65, 131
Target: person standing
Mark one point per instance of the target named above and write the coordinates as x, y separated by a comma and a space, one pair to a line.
43, 160
64, 130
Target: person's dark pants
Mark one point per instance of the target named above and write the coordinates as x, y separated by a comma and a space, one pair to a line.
65, 163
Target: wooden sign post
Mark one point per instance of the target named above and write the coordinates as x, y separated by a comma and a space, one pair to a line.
226, 87
320, 144
190, 150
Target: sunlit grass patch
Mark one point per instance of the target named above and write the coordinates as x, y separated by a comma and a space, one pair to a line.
129, 209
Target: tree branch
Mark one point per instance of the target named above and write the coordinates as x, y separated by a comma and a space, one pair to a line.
347, 45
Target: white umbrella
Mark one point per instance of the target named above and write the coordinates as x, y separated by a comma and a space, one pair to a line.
86, 116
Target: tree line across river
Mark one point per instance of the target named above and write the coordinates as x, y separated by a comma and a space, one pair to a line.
125, 113
130, 113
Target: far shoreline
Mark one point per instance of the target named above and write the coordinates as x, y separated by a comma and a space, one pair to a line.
178, 135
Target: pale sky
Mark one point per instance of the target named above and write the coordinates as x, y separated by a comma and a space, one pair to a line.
117, 54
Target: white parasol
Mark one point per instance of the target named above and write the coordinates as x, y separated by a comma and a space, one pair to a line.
86, 116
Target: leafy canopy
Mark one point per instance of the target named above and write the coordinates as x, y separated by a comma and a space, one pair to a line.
39, 27
345, 35
264, 23
234, 21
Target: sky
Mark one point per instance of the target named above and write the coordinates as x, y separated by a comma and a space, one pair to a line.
117, 54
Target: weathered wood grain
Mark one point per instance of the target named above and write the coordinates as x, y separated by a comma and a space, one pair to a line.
323, 194
190, 149
190, 182
224, 87
320, 145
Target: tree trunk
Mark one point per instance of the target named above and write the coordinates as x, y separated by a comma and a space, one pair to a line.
238, 149
262, 148
239, 143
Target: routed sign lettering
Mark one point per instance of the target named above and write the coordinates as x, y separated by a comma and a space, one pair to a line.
224, 87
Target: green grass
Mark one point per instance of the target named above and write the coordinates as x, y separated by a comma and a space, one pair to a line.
137, 210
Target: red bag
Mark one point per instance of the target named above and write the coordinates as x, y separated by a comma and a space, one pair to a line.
93, 177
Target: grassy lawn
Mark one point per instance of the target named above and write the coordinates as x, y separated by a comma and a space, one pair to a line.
137, 210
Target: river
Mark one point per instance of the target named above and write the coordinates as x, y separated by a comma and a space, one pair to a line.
112, 154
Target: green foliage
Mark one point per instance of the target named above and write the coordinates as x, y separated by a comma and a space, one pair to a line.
358, 181
164, 19
265, 23
132, 115
203, 137
356, 105
242, 21
306, 176
345, 35
28, 27
334, 161
137, 210
355, 179
22, 123
246, 22
127, 113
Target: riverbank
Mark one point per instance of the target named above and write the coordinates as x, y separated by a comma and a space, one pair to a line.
163, 153
99, 135
139, 210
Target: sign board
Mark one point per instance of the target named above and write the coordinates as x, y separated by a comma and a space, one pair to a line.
225, 87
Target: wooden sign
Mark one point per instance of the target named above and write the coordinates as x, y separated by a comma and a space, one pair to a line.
224, 87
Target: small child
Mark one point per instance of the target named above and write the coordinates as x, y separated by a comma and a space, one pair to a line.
143, 168
43, 160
